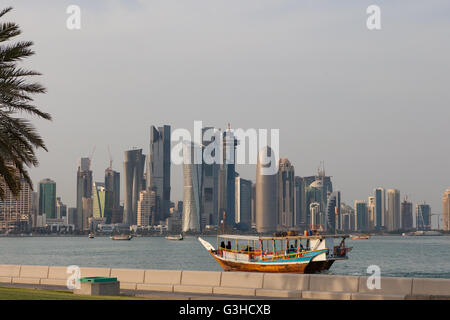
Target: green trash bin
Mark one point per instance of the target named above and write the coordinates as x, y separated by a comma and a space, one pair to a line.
98, 279
98, 286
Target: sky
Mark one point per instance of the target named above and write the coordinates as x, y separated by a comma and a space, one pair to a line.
373, 105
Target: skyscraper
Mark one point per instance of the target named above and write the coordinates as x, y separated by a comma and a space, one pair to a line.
227, 173
380, 208
266, 193
407, 215
102, 204
192, 172
333, 212
371, 208
361, 215
146, 208
47, 198
61, 209
158, 169
393, 210
446, 210
16, 212
300, 204
210, 198
423, 217
243, 203
133, 168
286, 187
84, 188
112, 184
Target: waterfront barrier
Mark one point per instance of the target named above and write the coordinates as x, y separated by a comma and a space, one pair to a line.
245, 284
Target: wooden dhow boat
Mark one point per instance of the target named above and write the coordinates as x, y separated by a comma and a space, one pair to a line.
175, 238
287, 254
122, 237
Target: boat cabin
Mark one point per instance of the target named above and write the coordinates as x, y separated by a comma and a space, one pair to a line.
255, 248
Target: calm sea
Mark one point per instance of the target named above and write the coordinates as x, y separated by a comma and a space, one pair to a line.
397, 256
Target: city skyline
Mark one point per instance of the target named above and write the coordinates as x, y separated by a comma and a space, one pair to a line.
251, 67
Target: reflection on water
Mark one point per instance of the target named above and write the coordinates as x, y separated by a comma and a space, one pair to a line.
395, 255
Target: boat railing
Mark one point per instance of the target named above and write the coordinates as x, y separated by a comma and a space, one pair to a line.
283, 256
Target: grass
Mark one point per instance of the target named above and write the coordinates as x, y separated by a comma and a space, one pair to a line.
7, 293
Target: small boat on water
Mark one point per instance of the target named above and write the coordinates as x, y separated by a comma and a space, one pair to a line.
286, 254
361, 237
175, 238
122, 237
91, 236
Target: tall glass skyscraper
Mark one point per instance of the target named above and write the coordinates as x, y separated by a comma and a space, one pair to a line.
84, 188
102, 202
158, 169
47, 198
393, 211
423, 217
192, 200
380, 207
286, 187
133, 168
333, 212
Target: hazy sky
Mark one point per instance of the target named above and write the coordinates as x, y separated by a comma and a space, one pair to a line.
373, 105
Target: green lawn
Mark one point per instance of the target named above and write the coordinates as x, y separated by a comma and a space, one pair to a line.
37, 294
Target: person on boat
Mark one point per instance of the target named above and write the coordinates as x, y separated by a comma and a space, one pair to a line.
228, 245
222, 245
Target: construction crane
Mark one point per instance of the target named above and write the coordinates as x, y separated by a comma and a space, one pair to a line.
110, 158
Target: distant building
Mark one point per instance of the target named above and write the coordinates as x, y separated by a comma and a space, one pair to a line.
210, 180
102, 204
372, 213
47, 198
34, 208
61, 209
407, 215
192, 171
316, 193
243, 204
226, 181
158, 169
361, 215
133, 168
446, 210
16, 213
301, 218
146, 212
380, 208
266, 193
393, 210
423, 217
316, 216
86, 212
112, 184
84, 189
71, 215
347, 218
333, 212
286, 194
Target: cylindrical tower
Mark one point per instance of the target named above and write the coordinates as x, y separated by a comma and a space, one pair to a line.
266, 192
